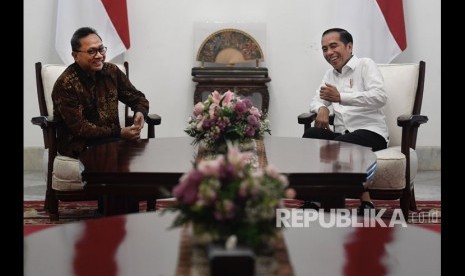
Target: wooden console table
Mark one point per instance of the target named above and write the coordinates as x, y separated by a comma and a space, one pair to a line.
246, 81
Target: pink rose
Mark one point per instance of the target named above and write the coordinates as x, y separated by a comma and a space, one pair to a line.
255, 111
199, 108
187, 190
249, 131
240, 107
253, 120
248, 102
211, 167
236, 157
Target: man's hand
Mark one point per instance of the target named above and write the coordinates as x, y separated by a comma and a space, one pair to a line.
130, 133
330, 93
322, 118
139, 120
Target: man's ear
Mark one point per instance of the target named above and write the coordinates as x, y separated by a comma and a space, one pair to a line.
349, 45
74, 54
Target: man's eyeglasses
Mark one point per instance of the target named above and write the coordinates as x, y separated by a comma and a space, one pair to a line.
92, 51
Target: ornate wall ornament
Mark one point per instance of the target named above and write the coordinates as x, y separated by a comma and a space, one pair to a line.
230, 46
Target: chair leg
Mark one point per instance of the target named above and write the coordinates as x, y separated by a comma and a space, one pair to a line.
413, 202
101, 205
151, 204
48, 199
51, 204
405, 203
53, 209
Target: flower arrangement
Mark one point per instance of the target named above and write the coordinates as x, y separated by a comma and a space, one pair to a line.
223, 117
227, 196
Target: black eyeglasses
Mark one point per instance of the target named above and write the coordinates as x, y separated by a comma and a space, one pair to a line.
92, 51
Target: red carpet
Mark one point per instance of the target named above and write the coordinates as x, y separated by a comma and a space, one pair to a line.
428, 214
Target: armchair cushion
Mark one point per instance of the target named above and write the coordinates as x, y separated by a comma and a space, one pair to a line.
50, 74
390, 170
63, 175
67, 174
404, 84
401, 81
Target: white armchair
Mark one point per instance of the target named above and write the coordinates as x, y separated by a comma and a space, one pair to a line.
398, 164
63, 174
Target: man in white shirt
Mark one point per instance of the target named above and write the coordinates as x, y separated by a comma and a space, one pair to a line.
355, 90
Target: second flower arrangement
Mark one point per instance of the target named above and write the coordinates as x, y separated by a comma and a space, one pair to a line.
226, 117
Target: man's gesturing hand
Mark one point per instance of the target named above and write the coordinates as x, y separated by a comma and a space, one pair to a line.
330, 93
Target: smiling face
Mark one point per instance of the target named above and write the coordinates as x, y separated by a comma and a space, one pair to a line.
335, 51
90, 62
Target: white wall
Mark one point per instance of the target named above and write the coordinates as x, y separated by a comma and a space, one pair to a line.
161, 55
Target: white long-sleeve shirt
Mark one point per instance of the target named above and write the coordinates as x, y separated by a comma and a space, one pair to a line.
361, 87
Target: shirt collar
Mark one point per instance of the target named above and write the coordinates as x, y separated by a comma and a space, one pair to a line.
83, 74
350, 65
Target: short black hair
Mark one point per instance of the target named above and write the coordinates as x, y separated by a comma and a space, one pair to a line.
344, 35
80, 33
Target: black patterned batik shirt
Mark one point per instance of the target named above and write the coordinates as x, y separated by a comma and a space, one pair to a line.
88, 106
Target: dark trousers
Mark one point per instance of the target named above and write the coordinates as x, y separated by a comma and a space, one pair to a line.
360, 137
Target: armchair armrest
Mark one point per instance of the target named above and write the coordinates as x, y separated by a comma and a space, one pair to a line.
306, 118
153, 119
45, 121
49, 126
410, 124
411, 120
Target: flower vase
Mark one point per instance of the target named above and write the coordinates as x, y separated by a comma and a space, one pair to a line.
200, 236
214, 149
222, 148
247, 145
265, 264
265, 258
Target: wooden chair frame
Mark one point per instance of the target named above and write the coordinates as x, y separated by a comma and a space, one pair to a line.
409, 124
49, 128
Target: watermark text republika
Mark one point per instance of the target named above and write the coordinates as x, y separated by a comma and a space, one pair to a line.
299, 218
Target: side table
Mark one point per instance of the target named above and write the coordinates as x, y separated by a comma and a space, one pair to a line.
247, 81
